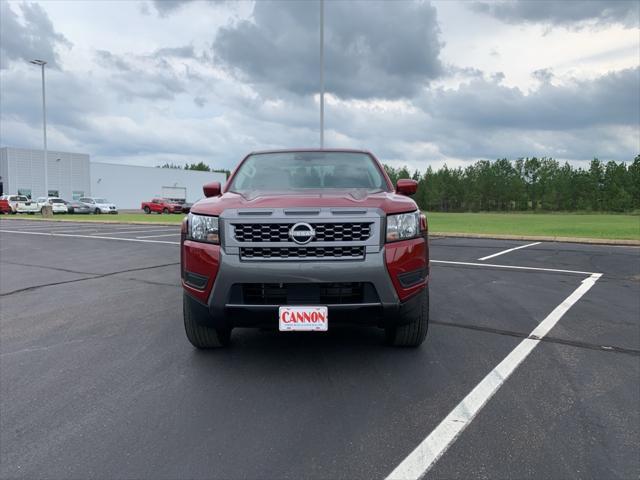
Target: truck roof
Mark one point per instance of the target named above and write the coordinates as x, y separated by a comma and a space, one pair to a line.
294, 150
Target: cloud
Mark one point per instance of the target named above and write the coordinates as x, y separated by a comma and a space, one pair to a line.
372, 49
180, 98
186, 51
167, 7
148, 76
568, 13
28, 36
610, 99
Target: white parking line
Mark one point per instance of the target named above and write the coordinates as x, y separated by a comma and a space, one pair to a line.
420, 461
165, 235
84, 230
25, 227
117, 232
70, 235
446, 262
512, 267
509, 250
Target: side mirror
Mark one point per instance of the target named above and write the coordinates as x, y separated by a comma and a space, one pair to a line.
406, 186
211, 189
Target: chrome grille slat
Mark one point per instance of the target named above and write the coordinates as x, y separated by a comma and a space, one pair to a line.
302, 253
279, 232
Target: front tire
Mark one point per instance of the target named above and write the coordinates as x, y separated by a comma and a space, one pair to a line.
97, 211
200, 336
165, 211
414, 332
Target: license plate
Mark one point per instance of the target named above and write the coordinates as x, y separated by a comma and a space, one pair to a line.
306, 319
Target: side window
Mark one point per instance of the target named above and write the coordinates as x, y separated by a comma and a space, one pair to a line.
155, 200
25, 191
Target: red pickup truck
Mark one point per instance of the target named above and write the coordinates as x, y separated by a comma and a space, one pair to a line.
302, 239
161, 205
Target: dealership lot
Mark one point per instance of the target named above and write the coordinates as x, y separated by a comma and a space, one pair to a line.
98, 380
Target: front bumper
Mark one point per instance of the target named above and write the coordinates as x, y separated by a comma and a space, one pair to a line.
219, 272
27, 209
108, 210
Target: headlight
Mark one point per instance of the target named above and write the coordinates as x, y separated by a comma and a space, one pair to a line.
203, 228
403, 226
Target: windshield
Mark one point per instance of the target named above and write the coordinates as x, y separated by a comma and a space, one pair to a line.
57, 200
308, 170
101, 200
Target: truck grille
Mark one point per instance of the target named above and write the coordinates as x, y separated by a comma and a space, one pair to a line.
304, 293
279, 232
301, 253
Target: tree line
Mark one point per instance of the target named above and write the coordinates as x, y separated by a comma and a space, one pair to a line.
200, 166
527, 184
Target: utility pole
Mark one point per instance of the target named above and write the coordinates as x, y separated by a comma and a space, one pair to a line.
321, 73
42, 63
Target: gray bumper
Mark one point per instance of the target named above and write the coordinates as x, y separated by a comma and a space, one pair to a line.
234, 271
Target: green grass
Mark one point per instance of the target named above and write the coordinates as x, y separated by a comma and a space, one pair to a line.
606, 226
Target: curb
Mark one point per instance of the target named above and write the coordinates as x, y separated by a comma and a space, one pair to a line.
495, 236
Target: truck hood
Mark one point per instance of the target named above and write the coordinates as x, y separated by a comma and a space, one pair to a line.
385, 201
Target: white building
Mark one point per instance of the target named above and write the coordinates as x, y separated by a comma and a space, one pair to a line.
22, 172
129, 185
73, 175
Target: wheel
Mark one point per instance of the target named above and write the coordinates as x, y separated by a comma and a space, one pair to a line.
165, 210
147, 210
200, 336
97, 211
412, 333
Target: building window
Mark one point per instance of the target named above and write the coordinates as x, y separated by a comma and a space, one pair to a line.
25, 191
76, 195
53, 193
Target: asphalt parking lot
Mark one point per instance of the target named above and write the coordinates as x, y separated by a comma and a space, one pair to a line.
97, 379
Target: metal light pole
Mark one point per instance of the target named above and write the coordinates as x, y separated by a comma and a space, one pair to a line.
42, 63
321, 73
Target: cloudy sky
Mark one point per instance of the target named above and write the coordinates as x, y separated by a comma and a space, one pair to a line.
418, 83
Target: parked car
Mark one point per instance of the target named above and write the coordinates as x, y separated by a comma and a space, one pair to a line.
4, 205
57, 204
99, 205
21, 204
186, 207
304, 239
161, 205
77, 207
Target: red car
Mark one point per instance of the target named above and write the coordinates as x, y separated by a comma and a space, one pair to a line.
5, 207
161, 205
303, 239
